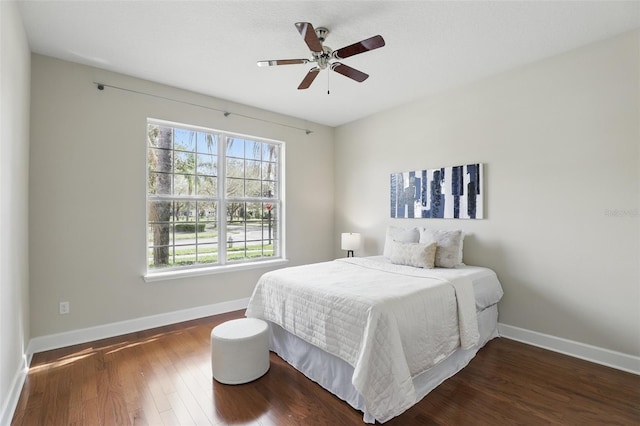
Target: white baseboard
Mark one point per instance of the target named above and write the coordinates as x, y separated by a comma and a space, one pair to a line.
595, 354
75, 337
9, 405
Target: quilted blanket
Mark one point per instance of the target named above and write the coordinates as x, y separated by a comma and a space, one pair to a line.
389, 322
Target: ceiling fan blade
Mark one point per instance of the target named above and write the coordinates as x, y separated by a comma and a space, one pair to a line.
308, 79
360, 47
307, 31
347, 71
273, 62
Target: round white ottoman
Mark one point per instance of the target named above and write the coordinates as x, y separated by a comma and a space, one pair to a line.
239, 350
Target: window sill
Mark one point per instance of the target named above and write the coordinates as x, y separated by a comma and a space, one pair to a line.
170, 275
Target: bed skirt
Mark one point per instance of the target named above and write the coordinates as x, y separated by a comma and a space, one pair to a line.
334, 374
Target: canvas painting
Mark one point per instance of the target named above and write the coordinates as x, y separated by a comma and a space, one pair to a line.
447, 193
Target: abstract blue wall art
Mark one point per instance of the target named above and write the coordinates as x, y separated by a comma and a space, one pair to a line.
448, 192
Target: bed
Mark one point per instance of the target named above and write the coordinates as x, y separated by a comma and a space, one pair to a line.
378, 335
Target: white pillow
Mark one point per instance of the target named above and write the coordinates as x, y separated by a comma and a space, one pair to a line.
449, 251
413, 254
397, 233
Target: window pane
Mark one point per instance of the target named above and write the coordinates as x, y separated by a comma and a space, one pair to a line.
185, 162
184, 211
252, 150
207, 186
251, 232
254, 219
253, 188
159, 183
160, 160
165, 137
185, 255
235, 213
207, 143
160, 234
160, 136
160, 257
235, 230
235, 168
269, 171
184, 140
236, 235
207, 253
270, 152
208, 212
184, 184
268, 189
159, 211
235, 188
235, 148
207, 165
252, 169
271, 240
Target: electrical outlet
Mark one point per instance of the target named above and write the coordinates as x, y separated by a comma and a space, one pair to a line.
64, 308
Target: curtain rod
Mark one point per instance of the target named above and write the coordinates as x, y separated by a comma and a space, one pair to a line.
101, 86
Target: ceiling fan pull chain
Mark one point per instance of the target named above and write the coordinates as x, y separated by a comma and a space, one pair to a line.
328, 73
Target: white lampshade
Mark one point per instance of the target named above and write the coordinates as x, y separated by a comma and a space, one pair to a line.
350, 241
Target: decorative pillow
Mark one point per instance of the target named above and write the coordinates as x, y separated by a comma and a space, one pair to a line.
397, 233
449, 251
413, 254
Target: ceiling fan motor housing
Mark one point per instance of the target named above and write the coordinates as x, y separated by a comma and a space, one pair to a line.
323, 58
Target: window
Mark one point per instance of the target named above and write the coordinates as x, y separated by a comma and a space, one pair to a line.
213, 198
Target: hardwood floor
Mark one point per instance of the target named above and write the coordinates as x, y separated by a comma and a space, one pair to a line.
163, 377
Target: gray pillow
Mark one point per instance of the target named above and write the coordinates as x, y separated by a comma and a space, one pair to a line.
449, 251
413, 254
397, 233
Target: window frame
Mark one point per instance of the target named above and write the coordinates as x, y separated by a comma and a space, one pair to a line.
221, 199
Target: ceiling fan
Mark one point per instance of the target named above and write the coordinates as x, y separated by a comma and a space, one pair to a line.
323, 55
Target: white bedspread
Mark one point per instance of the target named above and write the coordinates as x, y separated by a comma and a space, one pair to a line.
389, 322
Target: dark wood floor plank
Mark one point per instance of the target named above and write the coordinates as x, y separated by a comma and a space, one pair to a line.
49, 397
149, 413
158, 380
90, 412
163, 376
176, 357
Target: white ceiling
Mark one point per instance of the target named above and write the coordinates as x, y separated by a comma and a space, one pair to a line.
211, 47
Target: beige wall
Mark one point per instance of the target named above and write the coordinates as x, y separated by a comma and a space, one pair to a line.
560, 142
14, 232
87, 195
